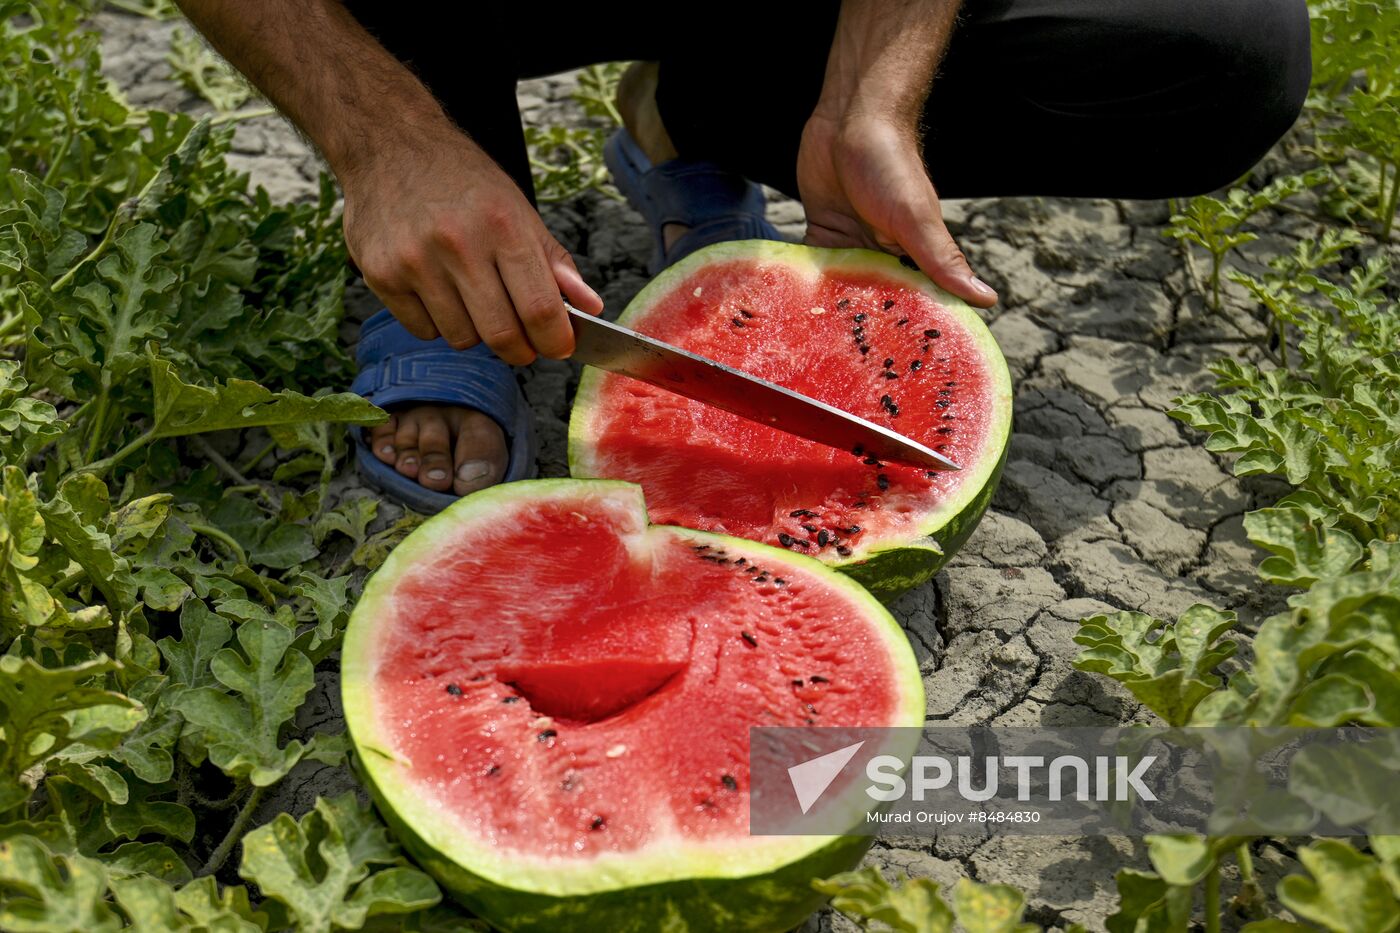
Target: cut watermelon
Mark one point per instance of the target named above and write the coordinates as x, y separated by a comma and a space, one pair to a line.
853, 328
551, 701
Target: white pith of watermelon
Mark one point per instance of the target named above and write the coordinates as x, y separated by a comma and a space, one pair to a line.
799, 316
650, 651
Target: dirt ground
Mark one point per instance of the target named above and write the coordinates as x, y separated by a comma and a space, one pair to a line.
1105, 502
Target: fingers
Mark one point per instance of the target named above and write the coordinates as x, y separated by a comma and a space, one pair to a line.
493, 314
449, 313
535, 294
570, 282
931, 246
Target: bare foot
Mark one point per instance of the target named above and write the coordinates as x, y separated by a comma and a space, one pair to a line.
445, 448
636, 102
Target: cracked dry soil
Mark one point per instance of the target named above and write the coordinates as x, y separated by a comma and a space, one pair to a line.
1105, 502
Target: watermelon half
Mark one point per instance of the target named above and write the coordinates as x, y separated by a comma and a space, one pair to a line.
551, 701
853, 328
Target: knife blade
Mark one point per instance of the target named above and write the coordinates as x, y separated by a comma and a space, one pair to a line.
620, 350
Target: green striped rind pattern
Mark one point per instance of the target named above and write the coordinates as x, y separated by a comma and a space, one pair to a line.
749, 884
887, 570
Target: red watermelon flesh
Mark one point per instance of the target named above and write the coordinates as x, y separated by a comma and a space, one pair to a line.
835, 325
556, 679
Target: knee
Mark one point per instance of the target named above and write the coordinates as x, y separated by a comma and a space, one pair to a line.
1261, 58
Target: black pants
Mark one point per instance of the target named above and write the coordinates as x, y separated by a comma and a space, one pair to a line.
1079, 98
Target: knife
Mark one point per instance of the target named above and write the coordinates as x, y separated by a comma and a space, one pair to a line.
619, 350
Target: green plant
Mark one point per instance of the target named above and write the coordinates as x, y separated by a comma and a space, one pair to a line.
202, 71
567, 161
1217, 224
914, 905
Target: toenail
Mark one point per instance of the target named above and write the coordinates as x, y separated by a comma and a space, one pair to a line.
437, 473
473, 470
409, 461
387, 449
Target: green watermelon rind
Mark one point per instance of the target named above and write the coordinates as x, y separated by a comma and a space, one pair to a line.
885, 570
760, 887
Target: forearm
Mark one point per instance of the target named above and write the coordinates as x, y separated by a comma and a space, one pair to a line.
883, 59
319, 66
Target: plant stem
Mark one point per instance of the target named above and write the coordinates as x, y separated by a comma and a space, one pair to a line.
234, 834
1390, 204
98, 418
1215, 260
1213, 899
251, 463
223, 537
62, 281
101, 467
239, 116
229, 470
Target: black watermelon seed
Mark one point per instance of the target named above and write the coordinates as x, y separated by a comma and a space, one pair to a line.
736, 322
844, 551
700, 547
761, 578
810, 529
853, 530
894, 410
753, 642
729, 782
949, 417
479, 677
858, 318
798, 682
859, 505
931, 474
945, 430
901, 322
818, 679
871, 461
945, 392
812, 709
864, 349
546, 736
858, 450
950, 384
883, 482
886, 401
889, 361
455, 690
942, 403
932, 333
890, 375
510, 699
780, 581
822, 538
844, 303
889, 303
745, 314
798, 513
493, 770
741, 562
784, 539
597, 823
800, 543
916, 365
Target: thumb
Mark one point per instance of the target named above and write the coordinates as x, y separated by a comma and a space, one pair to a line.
570, 280
931, 246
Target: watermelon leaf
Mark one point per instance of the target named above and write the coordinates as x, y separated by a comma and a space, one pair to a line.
358, 872
913, 906
1343, 890
242, 725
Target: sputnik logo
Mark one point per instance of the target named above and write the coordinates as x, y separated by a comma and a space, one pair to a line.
811, 778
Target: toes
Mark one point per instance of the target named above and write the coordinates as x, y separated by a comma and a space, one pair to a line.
406, 443
381, 439
434, 449
480, 453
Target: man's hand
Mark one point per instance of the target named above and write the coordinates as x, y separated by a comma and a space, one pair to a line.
440, 233
860, 168
453, 247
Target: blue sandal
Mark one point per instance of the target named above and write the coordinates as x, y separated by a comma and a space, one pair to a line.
397, 368
717, 205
